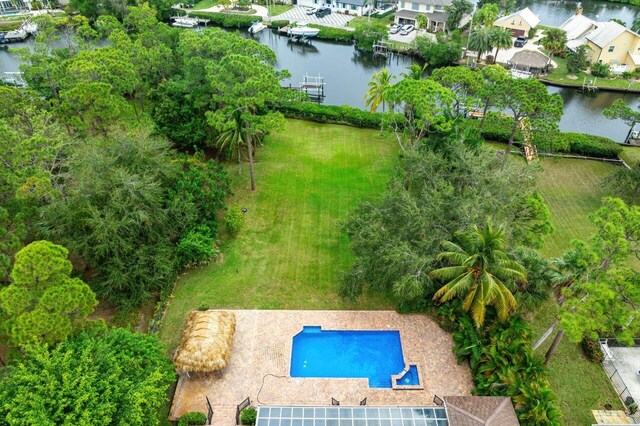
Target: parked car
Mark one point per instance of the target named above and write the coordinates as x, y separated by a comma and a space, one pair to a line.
395, 28
406, 30
323, 11
312, 11
520, 41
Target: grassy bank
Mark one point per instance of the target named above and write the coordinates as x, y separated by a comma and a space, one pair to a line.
631, 155
561, 75
291, 252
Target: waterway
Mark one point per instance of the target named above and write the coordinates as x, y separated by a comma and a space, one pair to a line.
346, 73
555, 12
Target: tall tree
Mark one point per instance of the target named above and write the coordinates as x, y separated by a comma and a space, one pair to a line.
418, 107
462, 81
620, 111
106, 377
479, 271
457, 10
486, 15
500, 39
378, 87
490, 93
555, 41
529, 98
480, 41
245, 87
43, 303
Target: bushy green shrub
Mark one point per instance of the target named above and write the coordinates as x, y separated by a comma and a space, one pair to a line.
334, 34
498, 128
279, 24
331, 114
369, 33
192, 418
197, 247
234, 220
439, 53
248, 416
577, 143
226, 20
599, 69
592, 350
504, 364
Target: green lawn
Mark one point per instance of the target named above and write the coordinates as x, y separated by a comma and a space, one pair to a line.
560, 75
204, 4
277, 9
630, 154
573, 190
291, 252
579, 384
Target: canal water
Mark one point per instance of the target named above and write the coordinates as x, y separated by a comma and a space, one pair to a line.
346, 73
554, 12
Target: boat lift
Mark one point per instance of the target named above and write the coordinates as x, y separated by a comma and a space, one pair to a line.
313, 86
381, 48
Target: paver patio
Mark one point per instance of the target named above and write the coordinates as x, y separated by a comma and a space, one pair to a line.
260, 363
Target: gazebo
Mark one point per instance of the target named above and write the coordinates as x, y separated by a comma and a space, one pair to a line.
531, 61
206, 342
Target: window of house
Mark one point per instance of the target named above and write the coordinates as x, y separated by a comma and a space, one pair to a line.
611, 48
353, 7
402, 5
439, 8
415, 6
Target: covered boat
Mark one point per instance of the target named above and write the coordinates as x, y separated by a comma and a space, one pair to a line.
256, 27
303, 30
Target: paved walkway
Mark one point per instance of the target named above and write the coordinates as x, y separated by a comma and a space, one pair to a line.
299, 14
260, 363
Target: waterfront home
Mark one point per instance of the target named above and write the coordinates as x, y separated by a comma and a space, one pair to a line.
434, 10
608, 42
348, 7
519, 23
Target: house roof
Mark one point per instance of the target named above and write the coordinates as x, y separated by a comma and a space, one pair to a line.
438, 16
605, 33
353, 2
407, 14
480, 411
577, 26
530, 58
433, 2
525, 14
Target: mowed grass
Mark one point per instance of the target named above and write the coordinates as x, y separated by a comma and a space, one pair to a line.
573, 189
291, 252
580, 385
631, 155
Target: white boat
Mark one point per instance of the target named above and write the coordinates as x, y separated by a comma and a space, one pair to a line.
303, 30
16, 35
257, 27
31, 28
185, 22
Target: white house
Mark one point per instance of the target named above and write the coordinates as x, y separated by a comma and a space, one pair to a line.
349, 7
434, 10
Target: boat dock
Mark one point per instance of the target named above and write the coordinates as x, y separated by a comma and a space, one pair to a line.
14, 79
313, 86
188, 22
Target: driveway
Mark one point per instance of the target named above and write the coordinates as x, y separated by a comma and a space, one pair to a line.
299, 14
411, 36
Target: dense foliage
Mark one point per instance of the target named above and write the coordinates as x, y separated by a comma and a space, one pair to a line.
441, 52
503, 364
106, 377
43, 303
441, 188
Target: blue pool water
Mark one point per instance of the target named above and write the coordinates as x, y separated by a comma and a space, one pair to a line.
411, 377
375, 355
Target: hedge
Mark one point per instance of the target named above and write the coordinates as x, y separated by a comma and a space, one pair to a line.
192, 418
334, 34
331, 114
227, 20
498, 128
279, 24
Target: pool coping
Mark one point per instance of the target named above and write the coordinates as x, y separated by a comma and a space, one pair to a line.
395, 377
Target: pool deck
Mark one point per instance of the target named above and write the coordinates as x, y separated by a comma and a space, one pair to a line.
260, 362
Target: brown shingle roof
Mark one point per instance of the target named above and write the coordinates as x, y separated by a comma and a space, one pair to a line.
480, 411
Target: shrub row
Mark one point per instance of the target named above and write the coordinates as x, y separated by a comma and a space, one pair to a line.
498, 128
503, 363
279, 24
334, 34
331, 114
226, 20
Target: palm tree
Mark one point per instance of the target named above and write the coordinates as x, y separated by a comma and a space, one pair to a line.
478, 270
378, 86
233, 140
480, 41
500, 39
555, 41
414, 72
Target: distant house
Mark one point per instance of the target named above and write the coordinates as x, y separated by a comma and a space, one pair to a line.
608, 42
433, 10
349, 7
519, 23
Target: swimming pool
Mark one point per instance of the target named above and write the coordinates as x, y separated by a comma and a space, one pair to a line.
375, 355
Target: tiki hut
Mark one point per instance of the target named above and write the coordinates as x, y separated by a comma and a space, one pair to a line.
532, 61
206, 342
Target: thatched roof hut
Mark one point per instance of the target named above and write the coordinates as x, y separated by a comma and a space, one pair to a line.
530, 60
206, 342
